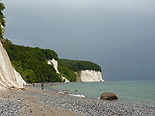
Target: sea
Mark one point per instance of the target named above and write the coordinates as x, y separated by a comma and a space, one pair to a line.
139, 92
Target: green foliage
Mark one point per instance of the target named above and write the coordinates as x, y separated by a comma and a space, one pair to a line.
29, 76
70, 75
32, 63
2, 21
76, 65
50, 54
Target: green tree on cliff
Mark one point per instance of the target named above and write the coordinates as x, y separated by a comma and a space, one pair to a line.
2, 21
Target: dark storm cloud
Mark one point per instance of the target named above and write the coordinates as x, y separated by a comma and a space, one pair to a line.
117, 35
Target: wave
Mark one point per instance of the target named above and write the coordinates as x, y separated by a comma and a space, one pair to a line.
81, 96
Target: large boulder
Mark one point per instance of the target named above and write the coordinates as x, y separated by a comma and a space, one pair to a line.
108, 96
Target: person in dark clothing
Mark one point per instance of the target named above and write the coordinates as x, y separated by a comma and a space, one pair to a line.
42, 85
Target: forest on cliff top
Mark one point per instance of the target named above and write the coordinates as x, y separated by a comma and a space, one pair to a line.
77, 65
31, 63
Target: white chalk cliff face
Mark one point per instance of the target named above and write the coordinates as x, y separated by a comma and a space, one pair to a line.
83, 76
9, 77
55, 65
90, 76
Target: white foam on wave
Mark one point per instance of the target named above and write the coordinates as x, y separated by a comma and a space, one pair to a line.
62, 92
82, 96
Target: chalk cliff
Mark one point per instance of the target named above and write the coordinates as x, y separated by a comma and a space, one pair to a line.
82, 76
9, 77
89, 76
55, 65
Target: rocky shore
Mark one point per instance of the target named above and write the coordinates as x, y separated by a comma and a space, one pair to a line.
36, 102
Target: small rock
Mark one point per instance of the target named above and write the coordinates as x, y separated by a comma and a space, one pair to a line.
76, 90
30, 111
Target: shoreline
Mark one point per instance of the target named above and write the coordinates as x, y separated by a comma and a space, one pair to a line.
130, 96
50, 102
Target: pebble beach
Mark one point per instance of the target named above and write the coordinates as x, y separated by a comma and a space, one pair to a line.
33, 101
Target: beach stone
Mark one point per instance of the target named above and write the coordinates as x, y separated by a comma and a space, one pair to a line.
108, 96
76, 90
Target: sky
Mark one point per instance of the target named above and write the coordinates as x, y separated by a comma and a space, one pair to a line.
118, 35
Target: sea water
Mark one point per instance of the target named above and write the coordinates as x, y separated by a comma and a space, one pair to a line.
139, 92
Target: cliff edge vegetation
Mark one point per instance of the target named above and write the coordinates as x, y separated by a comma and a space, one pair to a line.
31, 63
2, 21
77, 65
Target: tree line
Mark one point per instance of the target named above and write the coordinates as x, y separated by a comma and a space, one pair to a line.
31, 63
77, 65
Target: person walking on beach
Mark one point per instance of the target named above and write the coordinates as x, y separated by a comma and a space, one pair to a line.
42, 85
